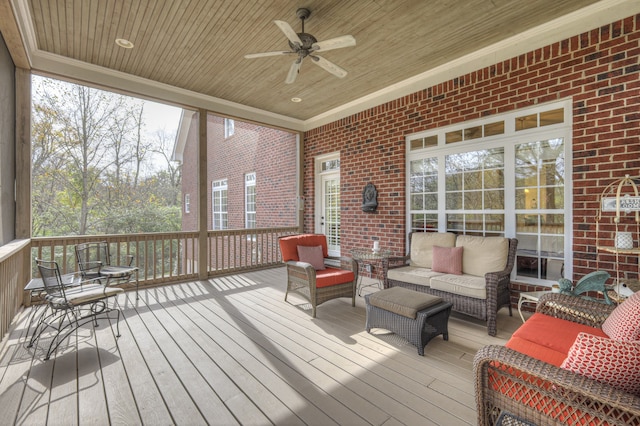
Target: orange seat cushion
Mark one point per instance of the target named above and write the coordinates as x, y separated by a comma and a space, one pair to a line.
289, 245
536, 351
554, 335
332, 276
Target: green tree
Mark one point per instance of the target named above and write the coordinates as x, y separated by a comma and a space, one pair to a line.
93, 170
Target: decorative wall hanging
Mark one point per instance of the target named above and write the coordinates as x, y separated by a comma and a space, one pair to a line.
369, 198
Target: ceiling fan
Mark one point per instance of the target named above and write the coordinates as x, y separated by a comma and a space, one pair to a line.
303, 45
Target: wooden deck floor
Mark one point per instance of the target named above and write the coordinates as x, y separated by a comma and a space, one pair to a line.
231, 351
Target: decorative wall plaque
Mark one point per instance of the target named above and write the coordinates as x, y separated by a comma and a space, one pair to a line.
369, 198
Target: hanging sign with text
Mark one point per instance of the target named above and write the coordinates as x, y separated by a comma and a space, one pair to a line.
627, 204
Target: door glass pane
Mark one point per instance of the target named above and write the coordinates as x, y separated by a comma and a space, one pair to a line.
332, 213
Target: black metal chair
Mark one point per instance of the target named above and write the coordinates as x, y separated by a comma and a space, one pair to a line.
71, 307
94, 261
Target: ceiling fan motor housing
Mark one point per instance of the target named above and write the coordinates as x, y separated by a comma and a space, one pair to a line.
307, 41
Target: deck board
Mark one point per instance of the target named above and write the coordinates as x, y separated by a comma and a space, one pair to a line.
230, 350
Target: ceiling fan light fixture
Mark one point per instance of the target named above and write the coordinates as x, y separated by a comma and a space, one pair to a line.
123, 42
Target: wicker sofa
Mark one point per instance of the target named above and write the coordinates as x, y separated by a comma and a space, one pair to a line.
517, 383
480, 288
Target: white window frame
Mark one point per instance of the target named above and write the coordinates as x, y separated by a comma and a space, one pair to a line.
229, 127
508, 140
250, 217
187, 203
218, 189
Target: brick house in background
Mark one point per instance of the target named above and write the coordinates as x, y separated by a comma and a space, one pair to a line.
251, 175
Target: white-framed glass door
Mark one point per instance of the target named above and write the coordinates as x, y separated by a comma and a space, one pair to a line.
328, 201
330, 219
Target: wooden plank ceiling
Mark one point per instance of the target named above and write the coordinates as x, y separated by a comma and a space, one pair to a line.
200, 45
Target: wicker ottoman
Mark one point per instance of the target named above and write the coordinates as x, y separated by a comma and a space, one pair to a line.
416, 316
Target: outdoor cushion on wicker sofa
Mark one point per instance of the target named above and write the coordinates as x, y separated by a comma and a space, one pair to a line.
525, 377
480, 290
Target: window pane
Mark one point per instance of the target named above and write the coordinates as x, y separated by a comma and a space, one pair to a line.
455, 222
452, 137
431, 202
552, 223
555, 116
494, 129
416, 184
423, 222
526, 198
527, 122
494, 222
473, 200
473, 222
473, 133
552, 198
494, 179
453, 182
472, 180
417, 202
415, 144
454, 200
552, 245
494, 200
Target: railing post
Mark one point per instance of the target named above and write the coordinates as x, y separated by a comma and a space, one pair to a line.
203, 252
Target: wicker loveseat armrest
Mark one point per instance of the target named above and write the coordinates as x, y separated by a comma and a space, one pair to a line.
397, 261
506, 380
575, 309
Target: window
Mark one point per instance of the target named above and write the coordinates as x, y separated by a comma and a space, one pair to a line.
503, 177
250, 200
229, 127
187, 203
219, 204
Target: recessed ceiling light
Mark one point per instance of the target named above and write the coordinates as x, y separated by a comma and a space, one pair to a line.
296, 100
124, 43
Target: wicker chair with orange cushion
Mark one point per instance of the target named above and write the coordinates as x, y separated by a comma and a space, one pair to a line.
309, 276
574, 362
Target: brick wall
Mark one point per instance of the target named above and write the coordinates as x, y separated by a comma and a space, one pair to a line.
599, 70
268, 152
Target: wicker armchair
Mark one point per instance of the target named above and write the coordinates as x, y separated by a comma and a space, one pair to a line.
318, 286
543, 394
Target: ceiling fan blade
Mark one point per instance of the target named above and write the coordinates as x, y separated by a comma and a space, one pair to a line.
293, 72
289, 32
333, 43
265, 54
329, 66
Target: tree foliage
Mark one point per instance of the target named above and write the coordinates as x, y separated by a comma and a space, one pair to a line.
95, 169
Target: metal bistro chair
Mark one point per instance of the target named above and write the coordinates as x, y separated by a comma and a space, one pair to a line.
94, 261
70, 308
